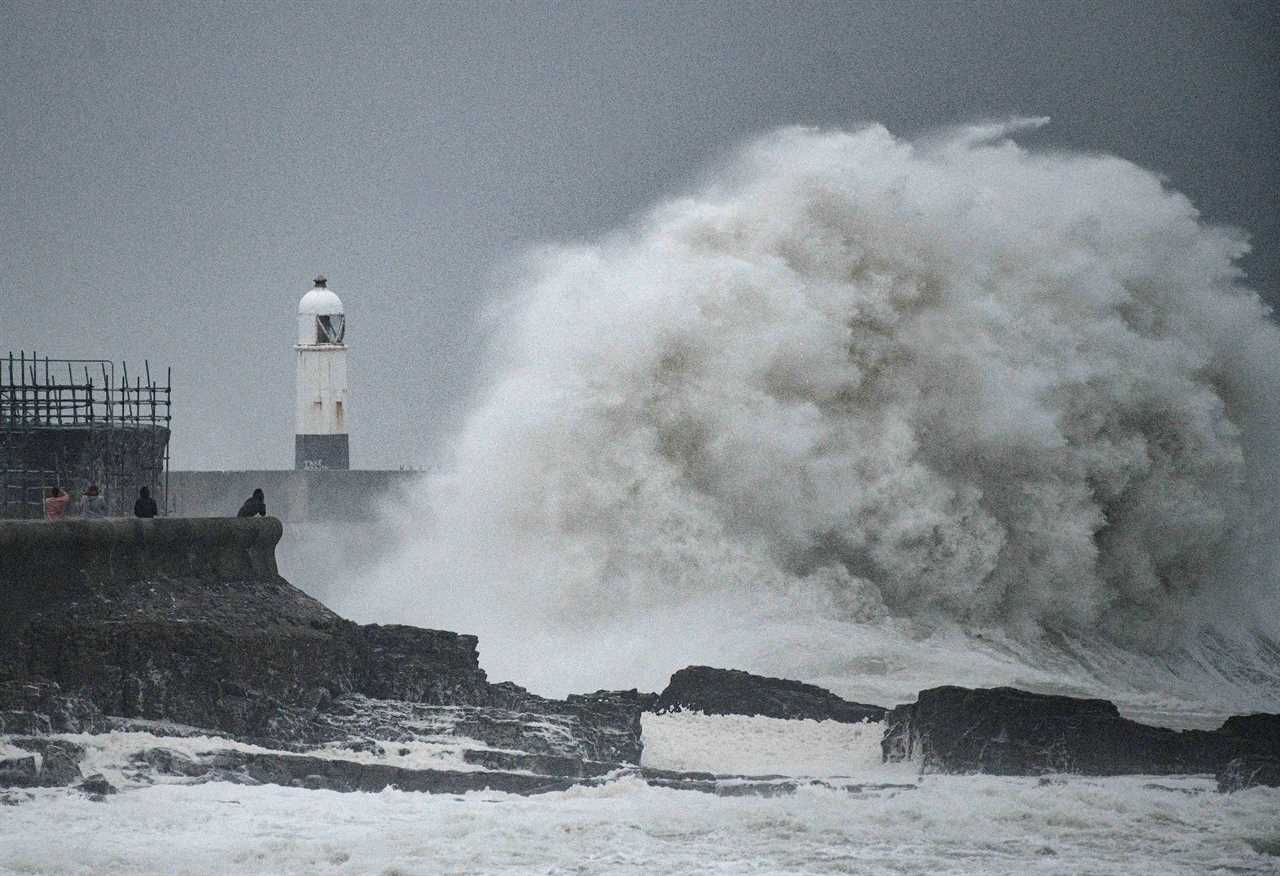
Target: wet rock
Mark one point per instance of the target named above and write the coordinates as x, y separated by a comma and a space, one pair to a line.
19, 771
36, 705
1259, 733
1005, 731
584, 729
167, 762
366, 746
15, 798
219, 640
96, 784
1249, 771
733, 692
1264, 845
59, 759
542, 764
346, 776
26, 723
760, 786
419, 665
646, 702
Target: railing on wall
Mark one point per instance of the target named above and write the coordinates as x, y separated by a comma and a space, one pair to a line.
69, 423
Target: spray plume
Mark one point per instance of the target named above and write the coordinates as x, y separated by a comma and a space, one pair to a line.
866, 382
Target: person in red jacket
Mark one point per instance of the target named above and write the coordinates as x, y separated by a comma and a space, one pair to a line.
55, 505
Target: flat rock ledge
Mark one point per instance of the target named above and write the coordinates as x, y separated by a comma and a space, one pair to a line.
506, 772
1005, 731
733, 692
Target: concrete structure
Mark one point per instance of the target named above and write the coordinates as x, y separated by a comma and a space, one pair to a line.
43, 563
320, 440
293, 496
69, 423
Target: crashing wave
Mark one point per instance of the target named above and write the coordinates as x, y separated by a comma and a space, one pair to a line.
951, 380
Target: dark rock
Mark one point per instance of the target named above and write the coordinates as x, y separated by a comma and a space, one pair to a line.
26, 723
543, 764
646, 702
1260, 733
1264, 845
96, 784
60, 759
172, 620
760, 786
300, 771
581, 730
36, 705
1249, 771
157, 728
366, 746
168, 762
1187, 792
1012, 732
338, 775
733, 692
19, 771
423, 666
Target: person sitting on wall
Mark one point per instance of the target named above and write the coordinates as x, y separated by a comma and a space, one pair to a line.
145, 506
55, 504
93, 503
255, 504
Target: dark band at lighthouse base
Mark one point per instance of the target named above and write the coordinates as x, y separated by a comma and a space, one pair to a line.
321, 453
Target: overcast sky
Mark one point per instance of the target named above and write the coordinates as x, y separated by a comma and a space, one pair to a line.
174, 174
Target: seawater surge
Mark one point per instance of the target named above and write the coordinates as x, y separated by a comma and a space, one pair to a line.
950, 409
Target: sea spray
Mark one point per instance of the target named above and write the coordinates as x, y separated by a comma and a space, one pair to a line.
859, 390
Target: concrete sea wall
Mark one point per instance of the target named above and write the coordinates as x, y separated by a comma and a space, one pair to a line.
44, 562
293, 496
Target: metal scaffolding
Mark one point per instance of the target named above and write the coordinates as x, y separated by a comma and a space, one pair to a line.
70, 423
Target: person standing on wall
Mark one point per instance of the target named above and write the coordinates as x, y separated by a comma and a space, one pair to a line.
255, 504
55, 504
93, 503
145, 506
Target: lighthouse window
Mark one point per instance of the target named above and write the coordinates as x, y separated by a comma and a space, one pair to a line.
329, 329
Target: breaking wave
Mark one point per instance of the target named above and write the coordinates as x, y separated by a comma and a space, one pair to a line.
930, 386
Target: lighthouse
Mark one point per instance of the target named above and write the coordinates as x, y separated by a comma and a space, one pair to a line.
320, 440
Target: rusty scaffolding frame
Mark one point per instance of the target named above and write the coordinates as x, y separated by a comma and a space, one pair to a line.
69, 423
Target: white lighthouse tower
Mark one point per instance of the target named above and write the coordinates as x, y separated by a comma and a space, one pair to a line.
320, 441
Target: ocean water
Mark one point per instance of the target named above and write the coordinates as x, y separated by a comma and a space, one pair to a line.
947, 824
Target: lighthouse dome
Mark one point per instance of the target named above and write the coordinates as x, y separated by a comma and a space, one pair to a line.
321, 321
321, 300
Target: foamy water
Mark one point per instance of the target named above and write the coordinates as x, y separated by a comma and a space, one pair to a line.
948, 824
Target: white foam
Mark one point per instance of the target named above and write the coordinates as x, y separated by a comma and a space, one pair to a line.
954, 825
745, 745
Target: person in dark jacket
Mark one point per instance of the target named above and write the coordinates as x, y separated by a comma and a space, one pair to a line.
145, 506
255, 504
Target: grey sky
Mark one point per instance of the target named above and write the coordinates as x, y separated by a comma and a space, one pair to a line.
175, 174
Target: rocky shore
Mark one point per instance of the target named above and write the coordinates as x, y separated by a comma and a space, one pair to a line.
184, 629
